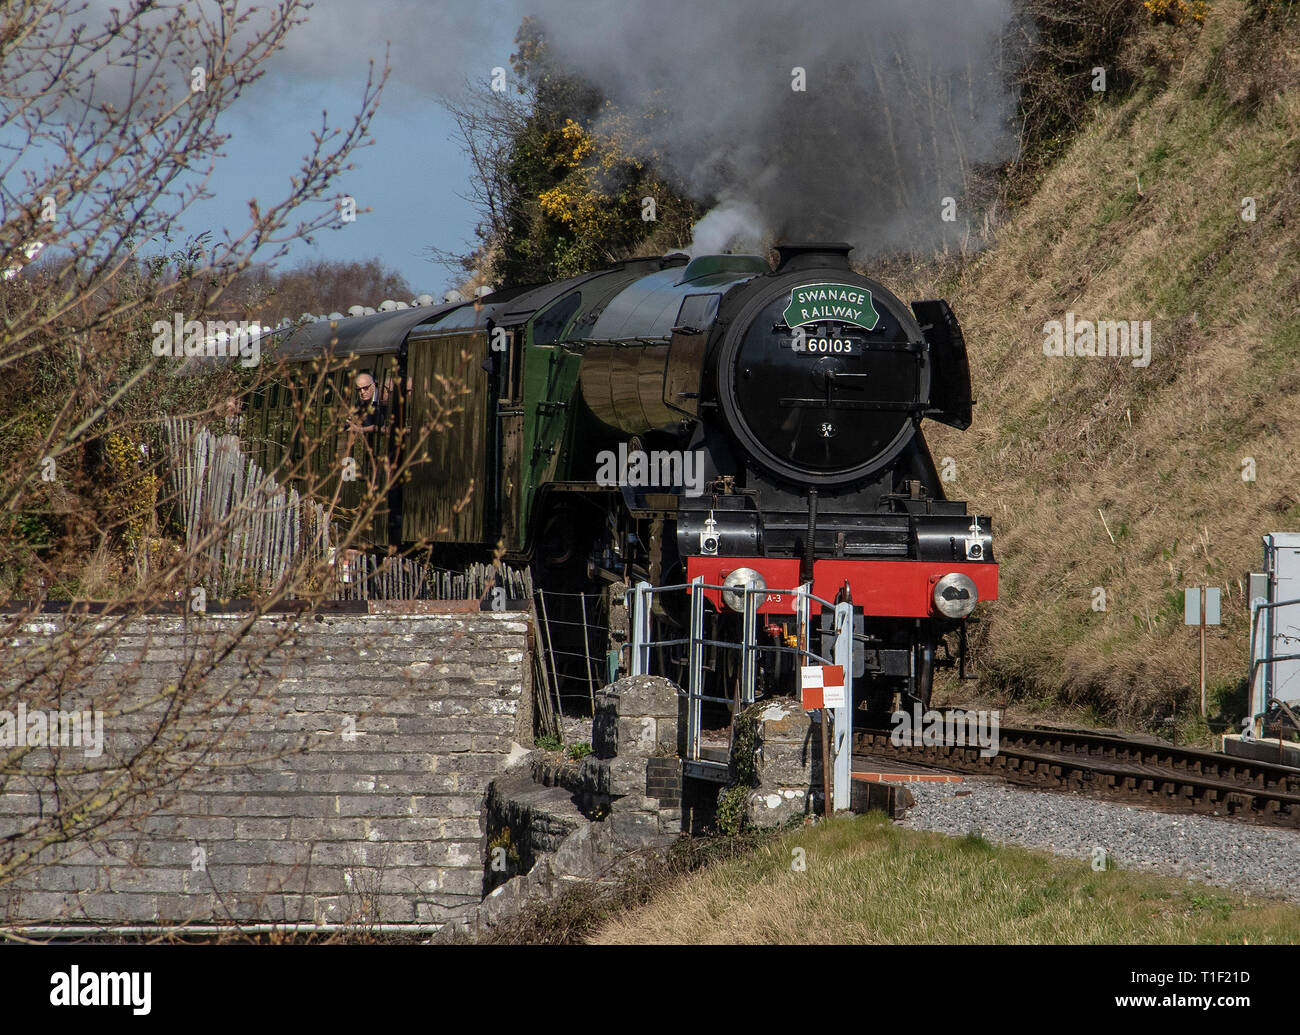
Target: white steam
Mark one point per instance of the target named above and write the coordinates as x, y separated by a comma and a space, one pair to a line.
735, 224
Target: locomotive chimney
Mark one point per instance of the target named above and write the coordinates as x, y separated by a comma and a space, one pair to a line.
813, 255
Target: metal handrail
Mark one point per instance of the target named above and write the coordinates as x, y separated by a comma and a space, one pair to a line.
643, 641
1255, 611
769, 591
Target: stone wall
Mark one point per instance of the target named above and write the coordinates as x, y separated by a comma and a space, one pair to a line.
562, 822
350, 756
636, 745
787, 765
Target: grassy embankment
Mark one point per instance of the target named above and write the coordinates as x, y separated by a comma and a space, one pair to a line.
1141, 219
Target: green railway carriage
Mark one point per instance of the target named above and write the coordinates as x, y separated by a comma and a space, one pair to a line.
295, 424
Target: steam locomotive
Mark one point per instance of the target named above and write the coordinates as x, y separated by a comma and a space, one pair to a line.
672, 417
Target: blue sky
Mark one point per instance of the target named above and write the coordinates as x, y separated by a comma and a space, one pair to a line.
414, 174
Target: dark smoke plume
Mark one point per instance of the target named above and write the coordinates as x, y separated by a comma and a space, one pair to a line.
902, 101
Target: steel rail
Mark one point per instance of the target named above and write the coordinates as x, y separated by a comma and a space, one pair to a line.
1163, 776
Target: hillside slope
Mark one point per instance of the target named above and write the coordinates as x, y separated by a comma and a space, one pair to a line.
1142, 219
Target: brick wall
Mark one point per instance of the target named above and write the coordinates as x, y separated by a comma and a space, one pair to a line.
353, 753
663, 780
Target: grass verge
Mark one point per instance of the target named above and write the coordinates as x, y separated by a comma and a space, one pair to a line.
576, 914
866, 881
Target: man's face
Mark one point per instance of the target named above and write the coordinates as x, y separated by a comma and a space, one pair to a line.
366, 388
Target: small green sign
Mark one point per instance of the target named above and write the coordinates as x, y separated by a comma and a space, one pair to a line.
844, 303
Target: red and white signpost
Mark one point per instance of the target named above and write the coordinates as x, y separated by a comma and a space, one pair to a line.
822, 687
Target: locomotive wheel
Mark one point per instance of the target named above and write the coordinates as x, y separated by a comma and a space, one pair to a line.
558, 542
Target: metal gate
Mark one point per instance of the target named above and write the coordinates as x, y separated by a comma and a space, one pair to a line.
696, 762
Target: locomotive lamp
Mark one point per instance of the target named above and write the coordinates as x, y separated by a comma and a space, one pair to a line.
709, 537
975, 541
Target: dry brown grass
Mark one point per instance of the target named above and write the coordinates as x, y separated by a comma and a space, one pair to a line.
1158, 450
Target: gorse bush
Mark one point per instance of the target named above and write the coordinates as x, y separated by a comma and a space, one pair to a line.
1176, 11
563, 175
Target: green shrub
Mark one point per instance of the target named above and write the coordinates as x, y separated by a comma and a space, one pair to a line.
733, 810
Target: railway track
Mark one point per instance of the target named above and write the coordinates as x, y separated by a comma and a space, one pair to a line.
1162, 776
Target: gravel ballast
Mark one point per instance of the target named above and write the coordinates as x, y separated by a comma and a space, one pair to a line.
1254, 860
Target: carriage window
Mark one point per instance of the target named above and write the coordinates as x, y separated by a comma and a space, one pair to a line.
384, 381
549, 327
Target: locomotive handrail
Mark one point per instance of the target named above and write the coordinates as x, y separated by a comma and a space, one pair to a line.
617, 342
885, 406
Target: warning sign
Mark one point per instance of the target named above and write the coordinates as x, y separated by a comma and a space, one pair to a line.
823, 686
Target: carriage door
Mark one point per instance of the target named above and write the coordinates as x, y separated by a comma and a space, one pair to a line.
510, 422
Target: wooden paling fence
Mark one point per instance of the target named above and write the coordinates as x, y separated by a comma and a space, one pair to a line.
477, 579
368, 576
371, 576
253, 533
